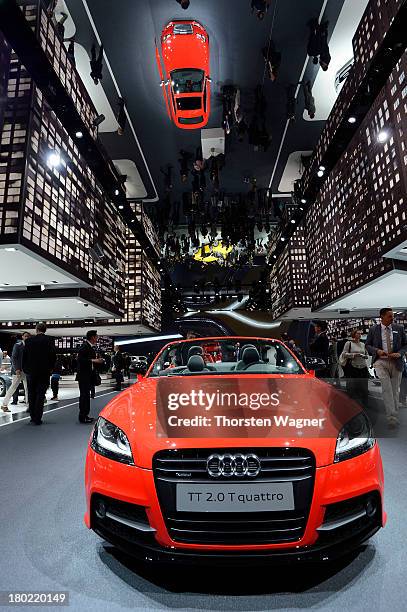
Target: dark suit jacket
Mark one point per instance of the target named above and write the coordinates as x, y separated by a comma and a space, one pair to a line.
118, 361
39, 355
374, 342
17, 356
85, 366
319, 347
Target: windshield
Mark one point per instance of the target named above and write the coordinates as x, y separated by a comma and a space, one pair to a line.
230, 356
187, 120
187, 80
189, 103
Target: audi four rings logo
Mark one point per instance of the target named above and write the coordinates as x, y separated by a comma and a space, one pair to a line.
233, 465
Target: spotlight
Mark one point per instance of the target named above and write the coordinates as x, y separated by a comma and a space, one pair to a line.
293, 221
352, 119
121, 207
98, 120
282, 239
54, 159
382, 136
116, 192
303, 201
320, 173
322, 168
79, 134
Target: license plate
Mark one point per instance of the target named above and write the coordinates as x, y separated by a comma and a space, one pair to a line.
236, 497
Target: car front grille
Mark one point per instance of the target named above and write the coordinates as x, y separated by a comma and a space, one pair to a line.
277, 464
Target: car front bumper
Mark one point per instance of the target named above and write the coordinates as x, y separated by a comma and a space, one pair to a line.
336, 484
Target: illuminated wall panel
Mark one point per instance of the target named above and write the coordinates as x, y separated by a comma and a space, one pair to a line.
368, 38
289, 277
361, 211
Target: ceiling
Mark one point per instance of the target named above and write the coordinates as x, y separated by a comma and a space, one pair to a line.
128, 31
49, 309
20, 268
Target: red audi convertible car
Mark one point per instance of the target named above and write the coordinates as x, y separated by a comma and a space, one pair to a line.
184, 73
229, 451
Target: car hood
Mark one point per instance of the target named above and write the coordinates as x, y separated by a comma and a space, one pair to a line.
186, 51
135, 412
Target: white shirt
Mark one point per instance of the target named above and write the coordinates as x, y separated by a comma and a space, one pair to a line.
388, 349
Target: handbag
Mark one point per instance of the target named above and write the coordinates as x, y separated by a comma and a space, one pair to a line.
96, 379
345, 361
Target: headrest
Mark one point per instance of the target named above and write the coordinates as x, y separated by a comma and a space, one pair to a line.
250, 355
196, 364
195, 350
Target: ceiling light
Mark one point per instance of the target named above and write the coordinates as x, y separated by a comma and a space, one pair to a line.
9, 324
121, 207
293, 221
320, 173
54, 159
116, 192
322, 168
303, 201
79, 134
352, 119
382, 136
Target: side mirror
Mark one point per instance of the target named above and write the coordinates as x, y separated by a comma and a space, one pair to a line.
315, 363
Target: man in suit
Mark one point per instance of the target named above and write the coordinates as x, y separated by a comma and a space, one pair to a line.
85, 364
39, 358
319, 347
17, 373
387, 343
118, 367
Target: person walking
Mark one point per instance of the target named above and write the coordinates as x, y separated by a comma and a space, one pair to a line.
39, 358
387, 343
71, 51
118, 367
319, 347
272, 57
309, 100
96, 64
87, 360
260, 7
55, 378
18, 376
354, 358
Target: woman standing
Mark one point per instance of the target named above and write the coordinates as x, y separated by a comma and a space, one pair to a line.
354, 362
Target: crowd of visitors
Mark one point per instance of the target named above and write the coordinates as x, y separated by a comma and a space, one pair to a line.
381, 357
35, 366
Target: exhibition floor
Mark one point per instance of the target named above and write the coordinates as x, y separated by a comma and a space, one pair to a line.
46, 547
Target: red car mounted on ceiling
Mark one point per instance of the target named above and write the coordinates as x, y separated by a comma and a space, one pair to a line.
185, 79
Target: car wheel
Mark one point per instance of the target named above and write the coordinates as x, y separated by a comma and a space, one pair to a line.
2, 387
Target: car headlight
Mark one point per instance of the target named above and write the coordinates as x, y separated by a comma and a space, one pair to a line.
110, 441
355, 438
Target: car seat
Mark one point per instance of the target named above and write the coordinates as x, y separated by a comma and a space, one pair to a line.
196, 364
250, 356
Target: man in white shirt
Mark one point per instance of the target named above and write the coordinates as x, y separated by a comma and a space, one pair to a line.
387, 343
